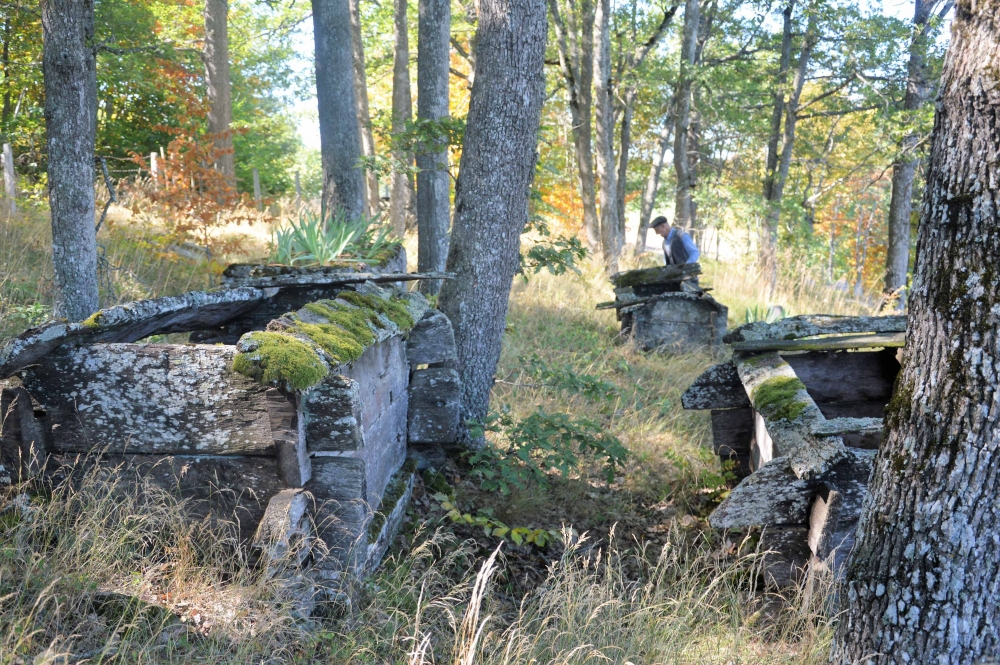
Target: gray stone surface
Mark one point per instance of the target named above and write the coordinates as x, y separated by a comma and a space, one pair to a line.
285, 532
151, 398
679, 320
432, 341
434, 411
808, 325
25, 433
719, 387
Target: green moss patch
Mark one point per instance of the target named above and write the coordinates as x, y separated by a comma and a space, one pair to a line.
353, 322
394, 491
93, 321
281, 358
777, 398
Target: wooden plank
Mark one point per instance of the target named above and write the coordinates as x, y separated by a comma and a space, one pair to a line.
151, 398
718, 387
789, 413
810, 325
834, 343
732, 431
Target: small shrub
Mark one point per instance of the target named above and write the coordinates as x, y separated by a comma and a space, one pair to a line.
529, 448
319, 239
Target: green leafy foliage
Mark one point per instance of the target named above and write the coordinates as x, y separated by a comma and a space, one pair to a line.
319, 240
526, 450
556, 254
565, 378
492, 527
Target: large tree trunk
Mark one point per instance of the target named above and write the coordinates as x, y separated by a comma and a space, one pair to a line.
923, 576
70, 71
220, 100
401, 197
622, 179
5, 113
684, 201
769, 236
364, 117
605, 128
340, 140
653, 184
433, 181
780, 178
491, 206
897, 258
576, 59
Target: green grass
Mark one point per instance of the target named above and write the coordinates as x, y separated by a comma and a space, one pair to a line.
648, 583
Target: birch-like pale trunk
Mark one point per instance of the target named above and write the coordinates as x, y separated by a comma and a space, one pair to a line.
604, 126
576, 60
433, 179
897, 257
402, 195
653, 185
69, 68
215, 55
340, 138
491, 201
683, 197
361, 97
923, 577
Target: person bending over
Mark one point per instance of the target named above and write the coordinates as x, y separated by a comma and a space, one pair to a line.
678, 248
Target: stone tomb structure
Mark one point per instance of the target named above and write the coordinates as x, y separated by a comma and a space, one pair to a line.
798, 412
297, 429
665, 308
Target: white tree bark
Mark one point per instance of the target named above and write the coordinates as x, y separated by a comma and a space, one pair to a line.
604, 130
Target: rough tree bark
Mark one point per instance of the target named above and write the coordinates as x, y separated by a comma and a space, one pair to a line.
780, 178
433, 180
401, 196
361, 97
576, 61
684, 202
897, 259
604, 125
491, 203
769, 240
923, 577
215, 55
70, 71
340, 140
653, 184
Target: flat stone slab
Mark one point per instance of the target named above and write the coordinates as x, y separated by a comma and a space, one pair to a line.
151, 398
432, 341
810, 325
131, 322
719, 387
434, 410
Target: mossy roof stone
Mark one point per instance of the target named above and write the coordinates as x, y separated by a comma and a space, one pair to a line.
334, 332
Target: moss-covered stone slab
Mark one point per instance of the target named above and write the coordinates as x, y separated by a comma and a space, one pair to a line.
131, 322
829, 343
811, 325
299, 348
237, 274
789, 414
658, 275
718, 387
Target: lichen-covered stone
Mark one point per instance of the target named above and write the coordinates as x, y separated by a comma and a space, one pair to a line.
682, 320
789, 413
809, 325
432, 341
434, 409
718, 387
633, 278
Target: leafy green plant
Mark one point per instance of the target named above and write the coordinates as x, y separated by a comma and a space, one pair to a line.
566, 379
491, 526
766, 314
321, 239
527, 449
557, 255
27, 316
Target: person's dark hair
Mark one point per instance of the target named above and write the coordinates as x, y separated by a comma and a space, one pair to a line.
659, 220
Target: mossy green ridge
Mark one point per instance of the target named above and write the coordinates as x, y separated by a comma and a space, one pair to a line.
776, 398
281, 358
92, 321
353, 322
392, 308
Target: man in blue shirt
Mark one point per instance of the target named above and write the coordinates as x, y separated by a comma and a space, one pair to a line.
678, 248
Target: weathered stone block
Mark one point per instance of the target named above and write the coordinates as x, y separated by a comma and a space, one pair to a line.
25, 433
432, 341
285, 531
679, 320
151, 398
434, 405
